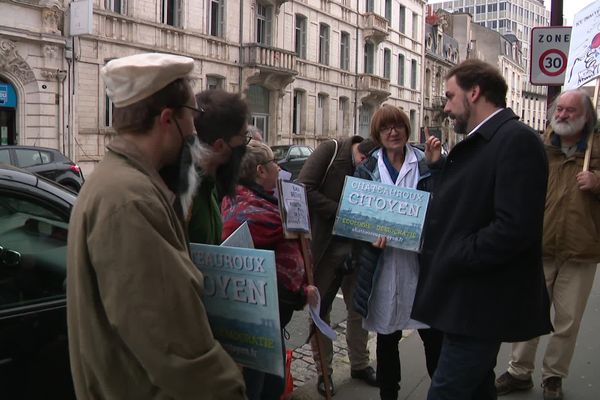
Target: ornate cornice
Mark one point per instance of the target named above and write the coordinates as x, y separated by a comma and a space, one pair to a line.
12, 62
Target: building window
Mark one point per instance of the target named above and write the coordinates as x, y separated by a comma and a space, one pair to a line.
344, 116
117, 6
298, 112
402, 26
217, 10
364, 120
401, 69
264, 16
415, 27
301, 36
413, 74
258, 99
503, 6
171, 12
387, 59
492, 7
369, 57
324, 44
388, 10
108, 111
322, 117
413, 122
370, 6
214, 82
345, 51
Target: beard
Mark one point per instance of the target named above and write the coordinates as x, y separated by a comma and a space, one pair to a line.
461, 120
567, 128
226, 176
183, 176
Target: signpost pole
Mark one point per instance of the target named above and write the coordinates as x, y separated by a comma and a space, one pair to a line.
556, 19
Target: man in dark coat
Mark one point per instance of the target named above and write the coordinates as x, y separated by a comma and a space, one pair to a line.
323, 174
482, 281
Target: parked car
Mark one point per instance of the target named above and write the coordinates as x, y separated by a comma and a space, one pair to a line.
34, 217
291, 157
49, 163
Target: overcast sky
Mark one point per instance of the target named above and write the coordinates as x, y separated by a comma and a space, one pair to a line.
570, 8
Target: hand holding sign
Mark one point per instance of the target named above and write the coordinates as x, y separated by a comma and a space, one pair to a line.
433, 147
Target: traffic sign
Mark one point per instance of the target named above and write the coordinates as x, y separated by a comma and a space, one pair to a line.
549, 49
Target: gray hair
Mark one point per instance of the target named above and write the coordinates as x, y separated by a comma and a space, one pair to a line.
591, 117
255, 133
257, 153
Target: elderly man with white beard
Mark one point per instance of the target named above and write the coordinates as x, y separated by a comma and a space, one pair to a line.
571, 243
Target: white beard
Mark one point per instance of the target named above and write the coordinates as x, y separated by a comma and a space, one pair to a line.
199, 151
567, 128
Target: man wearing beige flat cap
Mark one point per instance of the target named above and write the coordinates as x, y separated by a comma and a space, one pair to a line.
137, 324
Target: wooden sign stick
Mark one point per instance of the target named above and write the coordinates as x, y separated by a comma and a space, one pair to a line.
590, 142
309, 276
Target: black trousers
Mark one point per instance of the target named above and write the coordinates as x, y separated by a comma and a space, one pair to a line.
388, 359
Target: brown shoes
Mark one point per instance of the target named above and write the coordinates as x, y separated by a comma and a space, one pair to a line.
553, 388
506, 383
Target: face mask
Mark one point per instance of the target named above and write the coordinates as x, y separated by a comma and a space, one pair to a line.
228, 173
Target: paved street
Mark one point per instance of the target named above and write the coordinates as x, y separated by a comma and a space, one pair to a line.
582, 384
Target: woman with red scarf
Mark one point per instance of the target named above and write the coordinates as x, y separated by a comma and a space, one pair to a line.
256, 204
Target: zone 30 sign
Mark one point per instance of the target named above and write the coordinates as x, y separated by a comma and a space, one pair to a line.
549, 50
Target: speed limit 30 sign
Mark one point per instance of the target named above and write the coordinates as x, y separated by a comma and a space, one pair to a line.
549, 50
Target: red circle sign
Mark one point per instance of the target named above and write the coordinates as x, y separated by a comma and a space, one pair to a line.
553, 62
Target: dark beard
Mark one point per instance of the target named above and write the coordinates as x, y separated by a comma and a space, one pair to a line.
182, 177
226, 176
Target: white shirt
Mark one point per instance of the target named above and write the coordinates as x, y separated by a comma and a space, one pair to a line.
397, 274
485, 120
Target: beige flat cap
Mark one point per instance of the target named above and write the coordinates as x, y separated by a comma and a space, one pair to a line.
134, 78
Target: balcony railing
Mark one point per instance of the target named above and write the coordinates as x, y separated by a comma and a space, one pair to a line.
375, 26
262, 56
373, 83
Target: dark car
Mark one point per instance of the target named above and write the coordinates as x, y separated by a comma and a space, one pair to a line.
34, 217
49, 163
291, 157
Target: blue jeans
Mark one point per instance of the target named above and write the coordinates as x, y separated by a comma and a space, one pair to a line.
465, 370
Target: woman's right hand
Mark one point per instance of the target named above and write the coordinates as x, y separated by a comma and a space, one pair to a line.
433, 147
380, 242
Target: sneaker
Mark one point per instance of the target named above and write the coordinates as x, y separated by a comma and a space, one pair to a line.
553, 388
506, 383
321, 385
366, 374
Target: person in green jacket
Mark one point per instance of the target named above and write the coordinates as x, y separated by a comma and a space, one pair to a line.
223, 127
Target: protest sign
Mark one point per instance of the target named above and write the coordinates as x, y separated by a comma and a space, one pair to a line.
584, 52
370, 209
293, 207
240, 296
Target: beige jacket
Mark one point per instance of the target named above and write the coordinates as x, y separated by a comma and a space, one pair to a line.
137, 325
572, 216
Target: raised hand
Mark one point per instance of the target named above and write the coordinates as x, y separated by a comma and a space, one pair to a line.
433, 147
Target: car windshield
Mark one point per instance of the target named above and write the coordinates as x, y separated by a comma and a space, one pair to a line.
279, 151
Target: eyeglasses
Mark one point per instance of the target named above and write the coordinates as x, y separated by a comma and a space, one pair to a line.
388, 129
197, 111
248, 136
272, 160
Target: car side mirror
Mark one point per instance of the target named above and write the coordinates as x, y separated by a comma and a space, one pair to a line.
9, 258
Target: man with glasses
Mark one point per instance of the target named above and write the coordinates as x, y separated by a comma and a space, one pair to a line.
222, 127
137, 324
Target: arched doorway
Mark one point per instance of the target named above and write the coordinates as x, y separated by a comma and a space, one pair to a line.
8, 114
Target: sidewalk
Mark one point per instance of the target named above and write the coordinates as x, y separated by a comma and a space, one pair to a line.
583, 382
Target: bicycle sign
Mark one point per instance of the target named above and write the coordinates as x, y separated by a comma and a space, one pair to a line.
549, 49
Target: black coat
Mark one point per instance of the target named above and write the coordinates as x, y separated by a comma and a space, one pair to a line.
481, 264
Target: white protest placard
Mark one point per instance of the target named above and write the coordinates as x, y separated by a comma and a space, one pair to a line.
293, 207
584, 53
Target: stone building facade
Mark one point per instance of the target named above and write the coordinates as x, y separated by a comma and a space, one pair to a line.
310, 69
